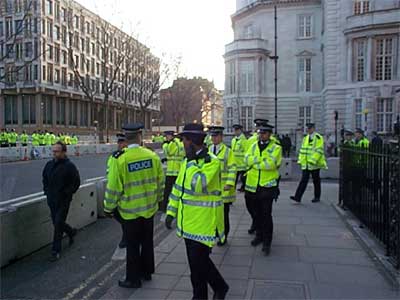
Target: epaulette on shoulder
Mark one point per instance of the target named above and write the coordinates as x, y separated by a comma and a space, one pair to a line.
118, 153
318, 136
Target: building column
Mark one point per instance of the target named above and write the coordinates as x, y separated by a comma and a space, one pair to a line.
54, 111
78, 113
349, 60
369, 59
67, 107
39, 111
19, 111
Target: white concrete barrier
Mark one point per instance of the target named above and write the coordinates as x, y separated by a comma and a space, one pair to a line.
333, 169
26, 225
10, 154
286, 168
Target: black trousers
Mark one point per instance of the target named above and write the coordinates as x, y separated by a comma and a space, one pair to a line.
169, 183
304, 181
140, 248
226, 218
240, 175
250, 205
262, 205
202, 270
59, 212
121, 221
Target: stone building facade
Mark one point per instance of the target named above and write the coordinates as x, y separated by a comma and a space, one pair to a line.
44, 46
334, 55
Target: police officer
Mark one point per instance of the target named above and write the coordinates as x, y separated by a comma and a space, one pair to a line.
122, 144
263, 160
23, 138
35, 138
174, 154
196, 203
134, 188
239, 146
360, 140
312, 160
4, 138
12, 138
348, 138
228, 171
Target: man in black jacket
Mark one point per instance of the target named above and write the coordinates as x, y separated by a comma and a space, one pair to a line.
60, 181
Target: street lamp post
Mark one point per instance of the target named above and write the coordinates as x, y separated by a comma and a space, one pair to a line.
336, 136
275, 59
366, 111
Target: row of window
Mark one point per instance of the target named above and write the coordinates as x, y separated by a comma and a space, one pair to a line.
30, 109
384, 116
382, 58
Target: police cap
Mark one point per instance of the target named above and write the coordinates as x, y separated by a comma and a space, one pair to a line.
310, 125
260, 122
359, 130
265, 128
133, 127
216, 130
193, 129
237, 126
169, 132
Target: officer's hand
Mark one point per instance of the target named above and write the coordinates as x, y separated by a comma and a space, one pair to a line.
164, 160
228, 187
168, 222
108, 214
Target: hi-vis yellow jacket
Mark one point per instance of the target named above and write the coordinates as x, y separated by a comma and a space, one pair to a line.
263, 167
196, 201
135, 183
174, 153
312, 155
228, 172
239, 147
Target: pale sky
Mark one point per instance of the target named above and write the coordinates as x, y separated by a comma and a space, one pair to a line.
197, 30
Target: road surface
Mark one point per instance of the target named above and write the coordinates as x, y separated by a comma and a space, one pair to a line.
22, 178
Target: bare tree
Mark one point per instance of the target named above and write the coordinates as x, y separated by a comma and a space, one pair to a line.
12, 56
112, 52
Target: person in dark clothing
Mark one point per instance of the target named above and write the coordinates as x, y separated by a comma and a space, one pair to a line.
60, 181
376, 142
288, 145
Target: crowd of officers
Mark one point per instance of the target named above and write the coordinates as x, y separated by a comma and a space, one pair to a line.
10, 138
197, 191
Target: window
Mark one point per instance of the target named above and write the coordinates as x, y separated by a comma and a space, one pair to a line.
28, 109
19, 50
229, 118
84, 114
231, 77
50, 73
246, 117
28, 50
9, 27
384, 58
19, 28
57, 76
47, 110
64, 77
60, 111
49, 52
77, 22
361, 7
57, 54
10, 110
358, 113
304, 115
64, 57
246, 76
50, 29
1, 29
360, 59
384, 115
35, 72
248, 31
57, 33
57, 10
49, 7
305, 26
304, 80
73, 112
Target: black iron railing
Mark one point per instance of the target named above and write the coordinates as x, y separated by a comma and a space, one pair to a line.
370, 189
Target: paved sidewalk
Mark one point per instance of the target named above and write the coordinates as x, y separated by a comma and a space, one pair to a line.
313, 256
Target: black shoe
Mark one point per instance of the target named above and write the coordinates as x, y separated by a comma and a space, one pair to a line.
252, 229
146, 277
122, 244
220, 295
315, 200
294, 199
54, 257
266, 249
130, 285
71, 237
257, 241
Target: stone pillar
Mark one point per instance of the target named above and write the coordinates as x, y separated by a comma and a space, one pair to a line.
54, 111
369, 59
39, 110
19, 100
78, 113
67, 107
349, 60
